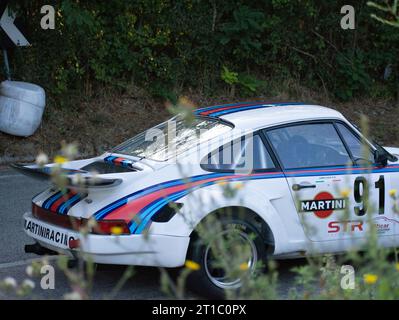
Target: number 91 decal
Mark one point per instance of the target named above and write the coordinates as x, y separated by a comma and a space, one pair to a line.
361, 192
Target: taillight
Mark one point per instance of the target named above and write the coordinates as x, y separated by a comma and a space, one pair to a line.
74, 243
114, 227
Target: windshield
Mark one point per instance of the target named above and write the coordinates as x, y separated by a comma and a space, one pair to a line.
171, 138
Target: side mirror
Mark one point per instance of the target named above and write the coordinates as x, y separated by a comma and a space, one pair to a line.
380, 157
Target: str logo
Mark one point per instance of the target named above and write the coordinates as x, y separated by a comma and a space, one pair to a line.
323, 205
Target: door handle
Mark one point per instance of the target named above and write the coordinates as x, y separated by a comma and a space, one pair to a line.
297, 187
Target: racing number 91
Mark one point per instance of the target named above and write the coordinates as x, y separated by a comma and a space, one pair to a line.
361, 191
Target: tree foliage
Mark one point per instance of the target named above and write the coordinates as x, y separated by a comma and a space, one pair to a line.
163, 45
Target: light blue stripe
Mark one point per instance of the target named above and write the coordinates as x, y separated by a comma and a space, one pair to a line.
100, 214
223, 105
260, 106
228, 111
67, 203
154, 208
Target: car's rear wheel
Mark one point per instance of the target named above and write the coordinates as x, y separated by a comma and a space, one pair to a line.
212, 280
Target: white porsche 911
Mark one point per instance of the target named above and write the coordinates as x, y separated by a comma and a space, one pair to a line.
296, 164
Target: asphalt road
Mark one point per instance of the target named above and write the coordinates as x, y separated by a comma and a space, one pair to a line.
16, 192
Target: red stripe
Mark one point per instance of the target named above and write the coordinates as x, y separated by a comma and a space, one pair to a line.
55, 206
128, 211
118, 160
205, 113
340, 169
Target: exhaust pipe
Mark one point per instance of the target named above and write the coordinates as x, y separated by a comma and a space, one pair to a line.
38, 249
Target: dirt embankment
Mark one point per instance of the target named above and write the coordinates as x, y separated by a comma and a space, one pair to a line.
109, 119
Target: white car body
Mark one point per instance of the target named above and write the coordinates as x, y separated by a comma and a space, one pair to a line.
268, 194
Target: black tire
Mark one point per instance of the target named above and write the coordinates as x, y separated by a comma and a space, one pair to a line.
200, 281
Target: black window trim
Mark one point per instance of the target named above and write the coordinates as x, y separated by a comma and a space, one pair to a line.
277, 167
359, 137
264, 132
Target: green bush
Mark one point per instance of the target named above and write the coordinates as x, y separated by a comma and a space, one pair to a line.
165, 46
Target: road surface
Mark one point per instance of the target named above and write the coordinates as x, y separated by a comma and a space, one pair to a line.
16, 192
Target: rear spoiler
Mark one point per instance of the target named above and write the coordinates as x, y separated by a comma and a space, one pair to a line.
86, 180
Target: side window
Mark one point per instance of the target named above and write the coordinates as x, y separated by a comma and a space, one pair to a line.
358, 150
247, 154
309, 145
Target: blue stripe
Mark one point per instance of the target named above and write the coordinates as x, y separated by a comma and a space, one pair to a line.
47, 204
149, 210
351, 170
126, 163
224, 105
72, 204
116, 204
289, 173
67, 203
110, 159
228, 111
259, 106
154, 208
253, 103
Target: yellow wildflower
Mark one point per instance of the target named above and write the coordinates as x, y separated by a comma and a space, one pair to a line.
116, 230
392, 192
238, 185
345, 193
370, 278
397, 266
244, 266
60, 159
192, 265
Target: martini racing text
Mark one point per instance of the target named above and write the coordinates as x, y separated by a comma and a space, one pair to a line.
46, 233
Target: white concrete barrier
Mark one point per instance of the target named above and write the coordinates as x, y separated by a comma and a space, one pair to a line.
21, 107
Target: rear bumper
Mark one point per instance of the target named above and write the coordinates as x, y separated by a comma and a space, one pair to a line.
150, 250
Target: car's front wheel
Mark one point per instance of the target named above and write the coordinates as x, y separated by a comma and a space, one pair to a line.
228, 253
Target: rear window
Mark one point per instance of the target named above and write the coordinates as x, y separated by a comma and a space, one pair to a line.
171, 138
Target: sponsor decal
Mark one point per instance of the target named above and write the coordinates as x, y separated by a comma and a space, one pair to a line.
323, 205
345, 226
47, 233
384, 224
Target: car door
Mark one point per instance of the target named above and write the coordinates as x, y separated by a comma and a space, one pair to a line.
334, 196
381, 180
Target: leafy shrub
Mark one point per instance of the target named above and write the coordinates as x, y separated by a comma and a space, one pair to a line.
185, 44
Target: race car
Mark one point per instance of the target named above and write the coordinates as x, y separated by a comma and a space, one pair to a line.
300, 174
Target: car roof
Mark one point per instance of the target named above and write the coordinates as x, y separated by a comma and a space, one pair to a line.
253, 115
